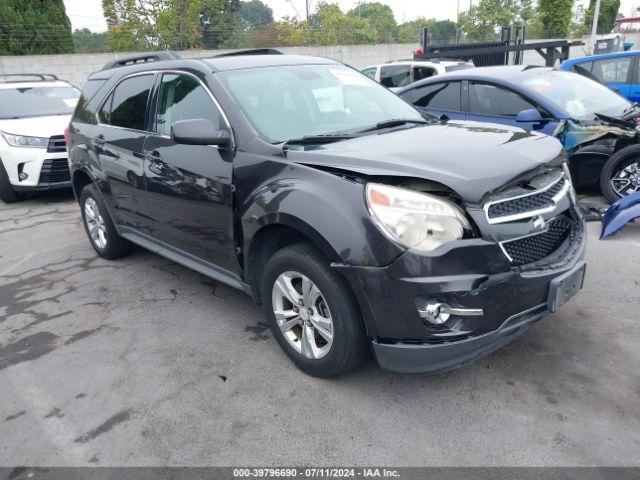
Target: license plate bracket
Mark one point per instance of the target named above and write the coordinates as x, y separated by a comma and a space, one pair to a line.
566, 286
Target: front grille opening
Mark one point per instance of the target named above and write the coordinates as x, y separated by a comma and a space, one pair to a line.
536, 247
530, 203
55, 170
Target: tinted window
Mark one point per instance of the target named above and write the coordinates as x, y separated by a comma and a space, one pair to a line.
490, 100
37, 101
370, 72
420, 73
395, 75
129, 102
183, 98
105, 111
439, 96
614, 70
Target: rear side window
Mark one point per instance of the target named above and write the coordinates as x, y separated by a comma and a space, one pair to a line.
485, 99
614, 70
127, 106
439, 96
395, 75
182, 97
91, 88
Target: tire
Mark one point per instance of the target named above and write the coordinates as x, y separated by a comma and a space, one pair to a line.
617, 162
348, 345
95, 217
7, 193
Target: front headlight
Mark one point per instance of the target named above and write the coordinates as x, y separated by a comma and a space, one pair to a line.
415, 220
24, 141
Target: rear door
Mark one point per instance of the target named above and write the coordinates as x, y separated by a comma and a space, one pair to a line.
119, 143
190, 186
442, 98
493, 103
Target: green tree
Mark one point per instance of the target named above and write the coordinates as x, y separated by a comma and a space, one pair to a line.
255, 14
220, 23
440, 31
34, 26
380, 18
555, 16
86, 41
608, 12
484, 18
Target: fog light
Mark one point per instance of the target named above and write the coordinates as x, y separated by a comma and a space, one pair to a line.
438, 313
23, 176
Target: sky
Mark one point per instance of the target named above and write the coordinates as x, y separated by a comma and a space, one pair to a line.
88, 13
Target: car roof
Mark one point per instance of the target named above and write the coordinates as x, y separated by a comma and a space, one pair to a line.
508, 73
33, 84
214, 64
602, 56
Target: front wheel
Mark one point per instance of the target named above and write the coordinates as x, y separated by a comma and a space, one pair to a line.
100, 229
620, 175
312, 313
7, 193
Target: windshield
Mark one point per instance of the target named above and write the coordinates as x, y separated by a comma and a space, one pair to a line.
579, 96
284, 103
37, 101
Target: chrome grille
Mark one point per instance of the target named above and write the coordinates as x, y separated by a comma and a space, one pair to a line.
527, 205
57, 144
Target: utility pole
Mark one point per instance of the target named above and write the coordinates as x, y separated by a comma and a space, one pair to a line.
594, 27
306, 4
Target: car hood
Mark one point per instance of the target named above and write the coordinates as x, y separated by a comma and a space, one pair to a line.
36, 126
468, 157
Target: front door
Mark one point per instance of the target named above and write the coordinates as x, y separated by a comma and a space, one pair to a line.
119, 146
437, 99
496, 104
190, 186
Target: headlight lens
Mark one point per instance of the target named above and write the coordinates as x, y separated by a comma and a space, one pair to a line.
24, 141
415, 220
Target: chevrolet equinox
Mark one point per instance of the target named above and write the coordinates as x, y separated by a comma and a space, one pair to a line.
355, 221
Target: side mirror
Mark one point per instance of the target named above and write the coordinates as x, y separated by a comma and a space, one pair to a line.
199, 131
531, 115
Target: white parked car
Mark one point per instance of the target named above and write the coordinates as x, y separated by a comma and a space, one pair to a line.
400, 73
35, 110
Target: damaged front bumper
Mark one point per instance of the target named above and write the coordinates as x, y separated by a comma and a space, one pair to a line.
624, 211
473, 275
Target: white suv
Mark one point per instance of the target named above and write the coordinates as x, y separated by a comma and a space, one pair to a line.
35, 110
400, 73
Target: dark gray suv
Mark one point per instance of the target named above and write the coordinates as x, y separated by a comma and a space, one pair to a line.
357, 223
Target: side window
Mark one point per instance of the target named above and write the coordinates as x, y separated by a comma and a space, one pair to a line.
182, 97
395, 75
370, 72
129, 102
582, 67
439, 96
614, 70
485, 99
420, 73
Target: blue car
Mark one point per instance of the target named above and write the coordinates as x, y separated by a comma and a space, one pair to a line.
618, 71
596, 126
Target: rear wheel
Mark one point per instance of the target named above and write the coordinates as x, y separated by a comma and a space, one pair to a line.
620, 175
7, 193
100, 229
312, 313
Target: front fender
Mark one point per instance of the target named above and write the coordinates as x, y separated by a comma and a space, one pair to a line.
619, 214
328, 209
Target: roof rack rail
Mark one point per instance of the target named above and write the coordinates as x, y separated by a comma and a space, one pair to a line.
142, 58
20, 77
251, 51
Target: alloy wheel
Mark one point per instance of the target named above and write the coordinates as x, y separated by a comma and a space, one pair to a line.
302, 314
95, 223
626, 180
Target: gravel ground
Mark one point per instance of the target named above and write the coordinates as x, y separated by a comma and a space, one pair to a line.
143, 362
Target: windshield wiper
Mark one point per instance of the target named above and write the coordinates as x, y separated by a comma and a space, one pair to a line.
319, 139
394, 122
